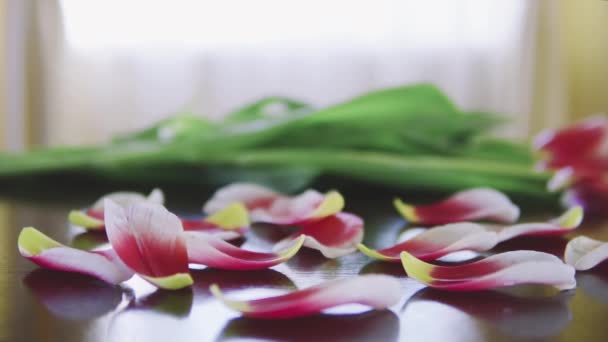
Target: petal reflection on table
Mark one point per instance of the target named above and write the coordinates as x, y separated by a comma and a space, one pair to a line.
382, 267
595, 282
516, 316
237, 280
369, 326
73, 296
174, 303
89, 240
553, 245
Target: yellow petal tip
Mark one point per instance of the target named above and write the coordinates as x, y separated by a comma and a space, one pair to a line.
234, 216
333, 203
235, 305
416, 268
372, 253
31, 241
79, 218
407, 211
571, 218
173, 282
290, 251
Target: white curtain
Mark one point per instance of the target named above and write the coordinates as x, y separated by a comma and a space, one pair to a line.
125, 64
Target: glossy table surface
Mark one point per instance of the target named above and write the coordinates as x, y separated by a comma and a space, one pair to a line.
41, 305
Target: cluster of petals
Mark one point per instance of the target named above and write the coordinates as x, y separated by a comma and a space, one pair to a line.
578, 156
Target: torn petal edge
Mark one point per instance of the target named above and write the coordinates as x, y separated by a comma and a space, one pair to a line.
374, 290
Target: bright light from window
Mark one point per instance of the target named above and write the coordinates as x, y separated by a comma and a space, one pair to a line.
194, 24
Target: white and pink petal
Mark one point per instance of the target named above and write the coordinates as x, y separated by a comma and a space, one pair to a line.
92, 218
333, 236
437, 242
470, 205
214, 252
584, 253
564, 224
500, 270
271, 207
48, 253
228, 223
149, 239
375, 291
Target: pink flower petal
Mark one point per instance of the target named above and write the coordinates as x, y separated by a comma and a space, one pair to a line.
587, 138
564, 224
149, 239
92, 218
470, 205
500, 270
439, 241
229, 223
212, 251
268, 206
48, 253
584, 253
376, 291
333, 236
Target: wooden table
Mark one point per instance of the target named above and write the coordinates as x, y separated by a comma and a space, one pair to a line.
41, 305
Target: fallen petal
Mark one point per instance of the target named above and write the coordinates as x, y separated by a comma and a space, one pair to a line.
470, 205
229, 223
268, 206
564, 224
587, 138
439, 241
376, 291
500, 270
149, 239
584, 253
333, 236
212, 251
48, 253
92, 218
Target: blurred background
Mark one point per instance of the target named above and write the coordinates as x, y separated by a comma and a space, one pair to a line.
79, 71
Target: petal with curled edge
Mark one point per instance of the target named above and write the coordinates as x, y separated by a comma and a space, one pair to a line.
470, 205
333, 236
149, 239
229, 223
439, 241
214, 252
92, 219
374, 290
500, 270
271, 207
584, 253
48, 253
